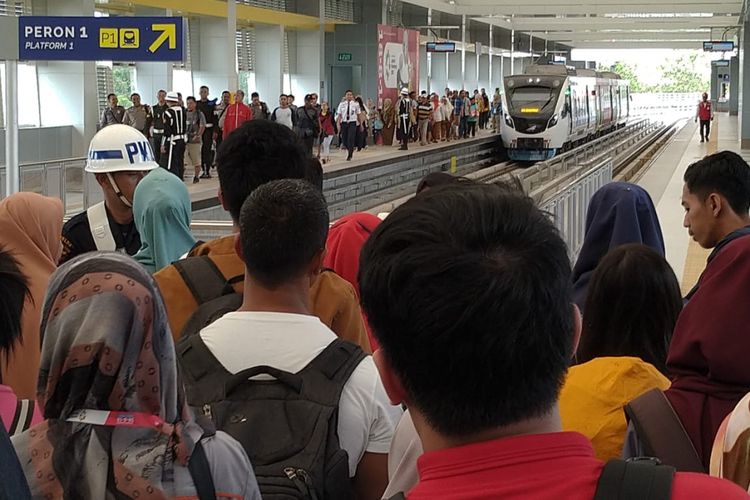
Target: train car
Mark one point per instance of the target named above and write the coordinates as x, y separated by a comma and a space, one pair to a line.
551, 108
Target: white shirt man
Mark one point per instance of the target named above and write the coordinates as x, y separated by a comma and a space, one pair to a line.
288, 342
347, 113
284, 114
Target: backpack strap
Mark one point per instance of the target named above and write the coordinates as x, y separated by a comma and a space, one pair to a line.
198, 363
22, 417
639, 479
661, 432
337, 362
200, 470
203, 278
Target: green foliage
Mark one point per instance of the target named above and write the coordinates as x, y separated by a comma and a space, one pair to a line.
123, 80
681, 76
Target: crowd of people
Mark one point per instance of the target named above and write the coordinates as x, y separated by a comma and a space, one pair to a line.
449, 350
188, 132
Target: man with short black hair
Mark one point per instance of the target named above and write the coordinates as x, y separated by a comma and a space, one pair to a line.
347, 116
716, 199
260, 108
112, 114
157, 134
196, 126
207, 107
476, 336
284, 114
258, 152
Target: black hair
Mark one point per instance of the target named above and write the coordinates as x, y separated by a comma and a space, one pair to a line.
14, 290
348, 91
468, 289
632, 305
110, 96
226, 92
290, 95
282, 95
725, 173
314, 174
161, 91
179, 94
203, 87
134, 94
283, 226
190, 98
254, 95
437, 179
257, 152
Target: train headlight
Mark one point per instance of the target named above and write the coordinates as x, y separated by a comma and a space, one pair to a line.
508, 120
552, 121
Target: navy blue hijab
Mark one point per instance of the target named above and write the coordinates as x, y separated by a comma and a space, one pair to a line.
619, 213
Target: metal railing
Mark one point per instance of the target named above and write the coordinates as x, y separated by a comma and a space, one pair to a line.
567, 201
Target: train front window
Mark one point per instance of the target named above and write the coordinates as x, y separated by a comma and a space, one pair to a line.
534, 98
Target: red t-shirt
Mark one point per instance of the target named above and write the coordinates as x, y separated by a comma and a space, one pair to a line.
540, 466
704, 110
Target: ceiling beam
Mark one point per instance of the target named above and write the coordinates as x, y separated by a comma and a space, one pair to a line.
546, 6
575, 37
598, 23
636, 45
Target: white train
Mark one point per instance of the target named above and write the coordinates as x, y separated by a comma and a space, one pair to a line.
551, 108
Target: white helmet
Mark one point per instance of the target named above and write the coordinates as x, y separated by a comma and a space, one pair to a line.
120, 148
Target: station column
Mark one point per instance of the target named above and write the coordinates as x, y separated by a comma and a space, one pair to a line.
269, 71
69, 87
744, 86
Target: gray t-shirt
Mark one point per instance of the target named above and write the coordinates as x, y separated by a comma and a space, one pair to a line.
195, 120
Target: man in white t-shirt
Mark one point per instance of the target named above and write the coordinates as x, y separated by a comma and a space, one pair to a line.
284, 114
283, 230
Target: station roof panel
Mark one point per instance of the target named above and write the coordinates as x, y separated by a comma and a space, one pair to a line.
605, 23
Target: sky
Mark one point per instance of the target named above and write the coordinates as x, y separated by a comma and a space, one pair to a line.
646, 61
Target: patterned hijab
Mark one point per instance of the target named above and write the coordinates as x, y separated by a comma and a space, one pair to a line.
106, 346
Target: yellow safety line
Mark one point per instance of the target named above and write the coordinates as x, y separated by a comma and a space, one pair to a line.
695, 261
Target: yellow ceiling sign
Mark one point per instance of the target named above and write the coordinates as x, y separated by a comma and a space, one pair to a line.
529, 110
217, 8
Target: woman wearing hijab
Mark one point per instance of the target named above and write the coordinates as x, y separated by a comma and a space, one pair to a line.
708, 354
117, 425
345, 240
619, 213
162, 212
30, 228
389, 122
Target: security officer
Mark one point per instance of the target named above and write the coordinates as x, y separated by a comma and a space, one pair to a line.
208, 108
157, 111
119, 156
175, 136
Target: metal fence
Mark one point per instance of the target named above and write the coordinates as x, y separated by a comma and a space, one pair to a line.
569, 203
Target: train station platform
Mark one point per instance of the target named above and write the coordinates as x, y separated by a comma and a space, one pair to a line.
366, 171
663, 181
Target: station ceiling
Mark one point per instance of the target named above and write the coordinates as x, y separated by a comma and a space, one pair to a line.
606, 24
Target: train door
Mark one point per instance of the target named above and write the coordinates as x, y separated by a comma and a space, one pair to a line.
569, 108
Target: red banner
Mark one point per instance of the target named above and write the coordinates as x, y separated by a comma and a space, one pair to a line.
398, 61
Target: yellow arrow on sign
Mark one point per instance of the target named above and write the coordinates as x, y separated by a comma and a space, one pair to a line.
168, 32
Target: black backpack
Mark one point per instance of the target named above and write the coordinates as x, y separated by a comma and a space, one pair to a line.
213, 292
287, 426
634, 479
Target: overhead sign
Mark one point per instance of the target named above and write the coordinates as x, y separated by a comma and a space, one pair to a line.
100, 38
721, 46
721, 64
345, 56
441, 47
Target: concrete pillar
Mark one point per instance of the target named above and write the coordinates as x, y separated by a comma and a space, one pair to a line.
734, 87
744, 86
463, 51
309, 56
211, 65
269, 65
69, 88
429, 56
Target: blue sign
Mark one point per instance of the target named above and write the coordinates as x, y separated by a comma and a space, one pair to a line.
100, 38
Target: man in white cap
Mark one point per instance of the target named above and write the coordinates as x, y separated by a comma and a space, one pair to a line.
119, 156
403, 115
174, 139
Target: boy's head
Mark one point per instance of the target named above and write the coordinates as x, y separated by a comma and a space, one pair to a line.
468, 290
258, 152
716, 197
283, 231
